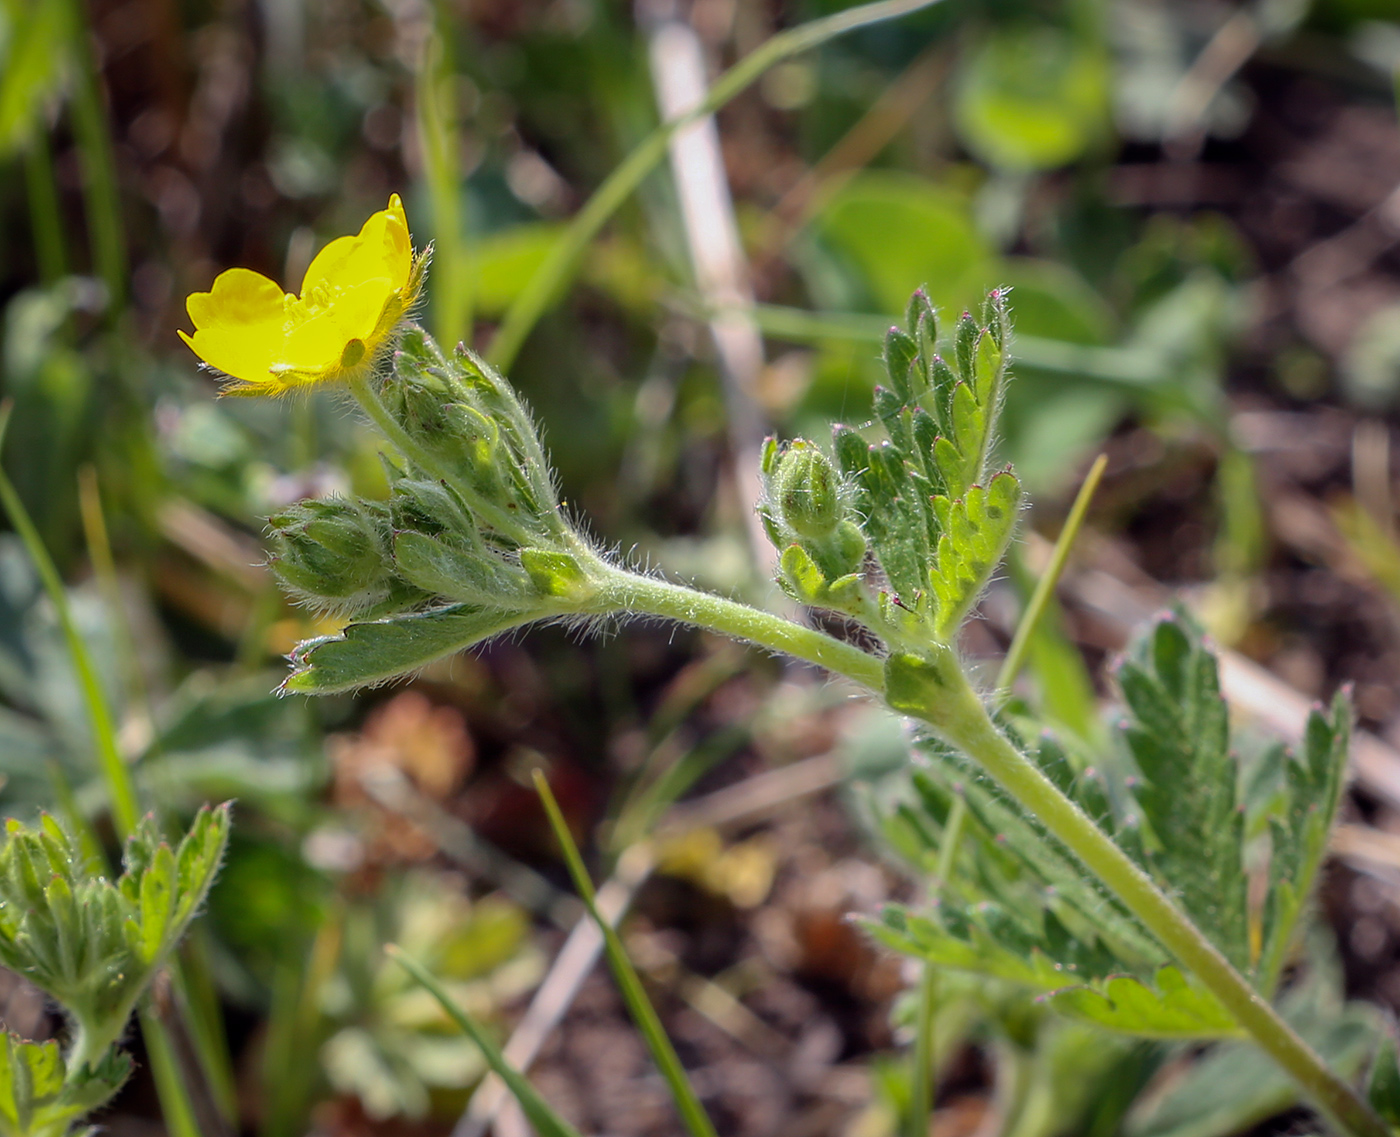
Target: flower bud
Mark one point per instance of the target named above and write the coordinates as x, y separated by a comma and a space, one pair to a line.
808, 491
332, 550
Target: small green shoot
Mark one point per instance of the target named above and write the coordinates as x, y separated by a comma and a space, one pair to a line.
692, 1113
546, 1122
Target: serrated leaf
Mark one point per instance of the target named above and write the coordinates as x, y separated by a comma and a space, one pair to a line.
1175, 1009
1058, 874
1235, 1087
370, 653
1177, 731
976, 530
1313, 783
985, 939
157, 903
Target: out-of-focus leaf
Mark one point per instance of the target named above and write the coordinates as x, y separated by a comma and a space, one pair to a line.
900, 233
34, 61
1173, 1008
1383, 1085
1314, 781
1032, 98
506, 261
1236, 1086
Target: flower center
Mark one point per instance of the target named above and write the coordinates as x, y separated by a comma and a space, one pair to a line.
353, 353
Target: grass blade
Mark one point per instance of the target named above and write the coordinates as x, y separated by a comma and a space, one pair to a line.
1045, 586
121, 790
546, 1122
633, 993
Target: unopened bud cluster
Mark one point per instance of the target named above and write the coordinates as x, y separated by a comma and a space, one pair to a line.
807, 514
472, 516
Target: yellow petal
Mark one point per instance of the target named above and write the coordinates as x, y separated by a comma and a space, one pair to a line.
329, 270
239, 297
381, 248
313, 347
357, 310
236, 352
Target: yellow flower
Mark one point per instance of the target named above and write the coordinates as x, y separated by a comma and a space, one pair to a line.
353, 297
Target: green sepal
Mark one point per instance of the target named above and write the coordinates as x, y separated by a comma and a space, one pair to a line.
441, 566
366, 654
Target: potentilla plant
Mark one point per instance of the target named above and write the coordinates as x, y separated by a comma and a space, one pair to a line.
898, 528
94, 946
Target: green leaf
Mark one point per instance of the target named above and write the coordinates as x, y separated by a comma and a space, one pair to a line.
1174, 1009
1177, 731
37, 1096
1383, 1084
1235, 1087
976, 530
899, 232
370, 653
157, 903
1059, 879
34, 61
986, 939
1313, 781
1032, 98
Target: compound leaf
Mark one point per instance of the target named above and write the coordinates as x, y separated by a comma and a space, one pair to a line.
1177, 731
1173, 1009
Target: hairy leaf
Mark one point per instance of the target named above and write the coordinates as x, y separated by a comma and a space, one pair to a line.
1177, 731
1314, 781
369, 653
1174, 1008
975, 532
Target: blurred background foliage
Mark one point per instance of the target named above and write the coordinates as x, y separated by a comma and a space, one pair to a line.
1194, 204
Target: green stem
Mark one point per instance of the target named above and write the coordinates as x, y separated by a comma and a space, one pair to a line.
962, 719
627, 592
100, 193
120, 788
547, 1123
437, 131
564, 257
925, 1058
45, 214
921, 1089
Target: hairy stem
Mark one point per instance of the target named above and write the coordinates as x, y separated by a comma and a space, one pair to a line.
961, 718
623, 591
